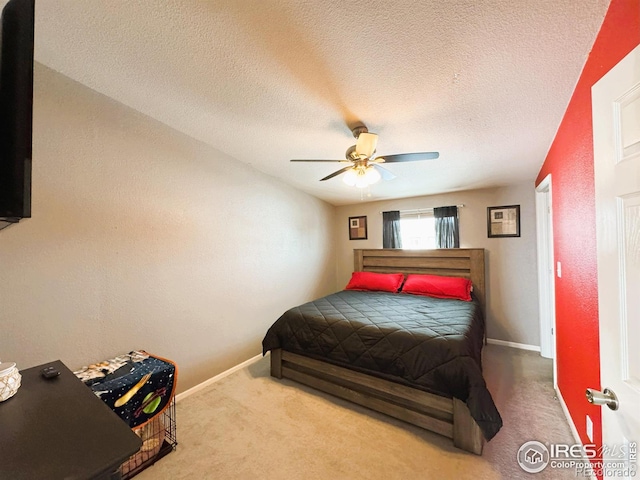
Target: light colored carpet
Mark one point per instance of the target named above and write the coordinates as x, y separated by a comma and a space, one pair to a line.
250, 425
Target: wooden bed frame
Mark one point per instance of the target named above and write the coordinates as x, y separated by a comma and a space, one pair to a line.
447, 416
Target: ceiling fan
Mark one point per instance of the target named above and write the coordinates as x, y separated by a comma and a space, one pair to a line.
364, 169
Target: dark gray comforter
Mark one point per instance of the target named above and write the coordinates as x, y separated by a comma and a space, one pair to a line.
427, 343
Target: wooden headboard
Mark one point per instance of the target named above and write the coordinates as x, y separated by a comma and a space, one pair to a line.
452, 262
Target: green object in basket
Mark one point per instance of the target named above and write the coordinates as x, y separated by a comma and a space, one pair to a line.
152, 404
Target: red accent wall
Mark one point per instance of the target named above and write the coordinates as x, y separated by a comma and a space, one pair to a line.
570, 163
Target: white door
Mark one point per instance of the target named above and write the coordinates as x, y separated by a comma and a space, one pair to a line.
616, 140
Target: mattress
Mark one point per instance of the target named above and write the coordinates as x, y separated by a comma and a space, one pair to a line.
426, 343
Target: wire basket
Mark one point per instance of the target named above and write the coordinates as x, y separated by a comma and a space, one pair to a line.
158, 439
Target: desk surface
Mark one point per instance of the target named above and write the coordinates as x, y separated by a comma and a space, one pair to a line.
59, 429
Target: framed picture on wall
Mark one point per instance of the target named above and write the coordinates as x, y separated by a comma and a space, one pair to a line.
503, 221
358, 228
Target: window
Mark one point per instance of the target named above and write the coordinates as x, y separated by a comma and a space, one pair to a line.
427, 228
418, 231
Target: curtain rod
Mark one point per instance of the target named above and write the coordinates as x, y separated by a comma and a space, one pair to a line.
421, 210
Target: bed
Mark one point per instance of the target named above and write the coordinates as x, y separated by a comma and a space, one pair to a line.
412, 357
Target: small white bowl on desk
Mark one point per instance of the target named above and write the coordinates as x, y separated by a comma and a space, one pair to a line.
9, 380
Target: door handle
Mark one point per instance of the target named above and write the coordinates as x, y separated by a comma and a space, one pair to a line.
606, 397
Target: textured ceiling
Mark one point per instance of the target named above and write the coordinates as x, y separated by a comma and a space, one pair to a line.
484, 82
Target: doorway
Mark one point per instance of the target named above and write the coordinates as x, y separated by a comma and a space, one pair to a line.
546, 278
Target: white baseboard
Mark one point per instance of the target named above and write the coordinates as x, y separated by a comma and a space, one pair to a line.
565, 410
220, 376
521, 346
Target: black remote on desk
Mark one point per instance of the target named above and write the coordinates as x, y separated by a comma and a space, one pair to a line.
50, 372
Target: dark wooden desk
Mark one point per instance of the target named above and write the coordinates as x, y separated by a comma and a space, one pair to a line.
58, 429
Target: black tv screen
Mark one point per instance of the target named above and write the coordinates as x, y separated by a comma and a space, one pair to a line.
16, 109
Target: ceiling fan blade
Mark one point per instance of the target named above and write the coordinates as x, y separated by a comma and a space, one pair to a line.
408, 157
334, 174
342, 161
366, 144
384, 173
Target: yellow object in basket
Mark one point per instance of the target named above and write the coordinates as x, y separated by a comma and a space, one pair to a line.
127, 396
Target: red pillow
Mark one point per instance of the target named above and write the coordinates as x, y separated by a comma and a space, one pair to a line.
385, 282
439, 287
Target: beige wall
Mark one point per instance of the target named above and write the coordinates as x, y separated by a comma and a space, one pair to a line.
512, 289
143, 238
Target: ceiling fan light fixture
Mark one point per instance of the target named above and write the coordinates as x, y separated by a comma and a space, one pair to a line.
364, 168
350, 177
361, 180
361, 177
372, 175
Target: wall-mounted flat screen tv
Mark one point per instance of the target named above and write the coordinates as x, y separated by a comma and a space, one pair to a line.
16, 109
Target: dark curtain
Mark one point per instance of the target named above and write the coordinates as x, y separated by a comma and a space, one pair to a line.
391, 230
447, 227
